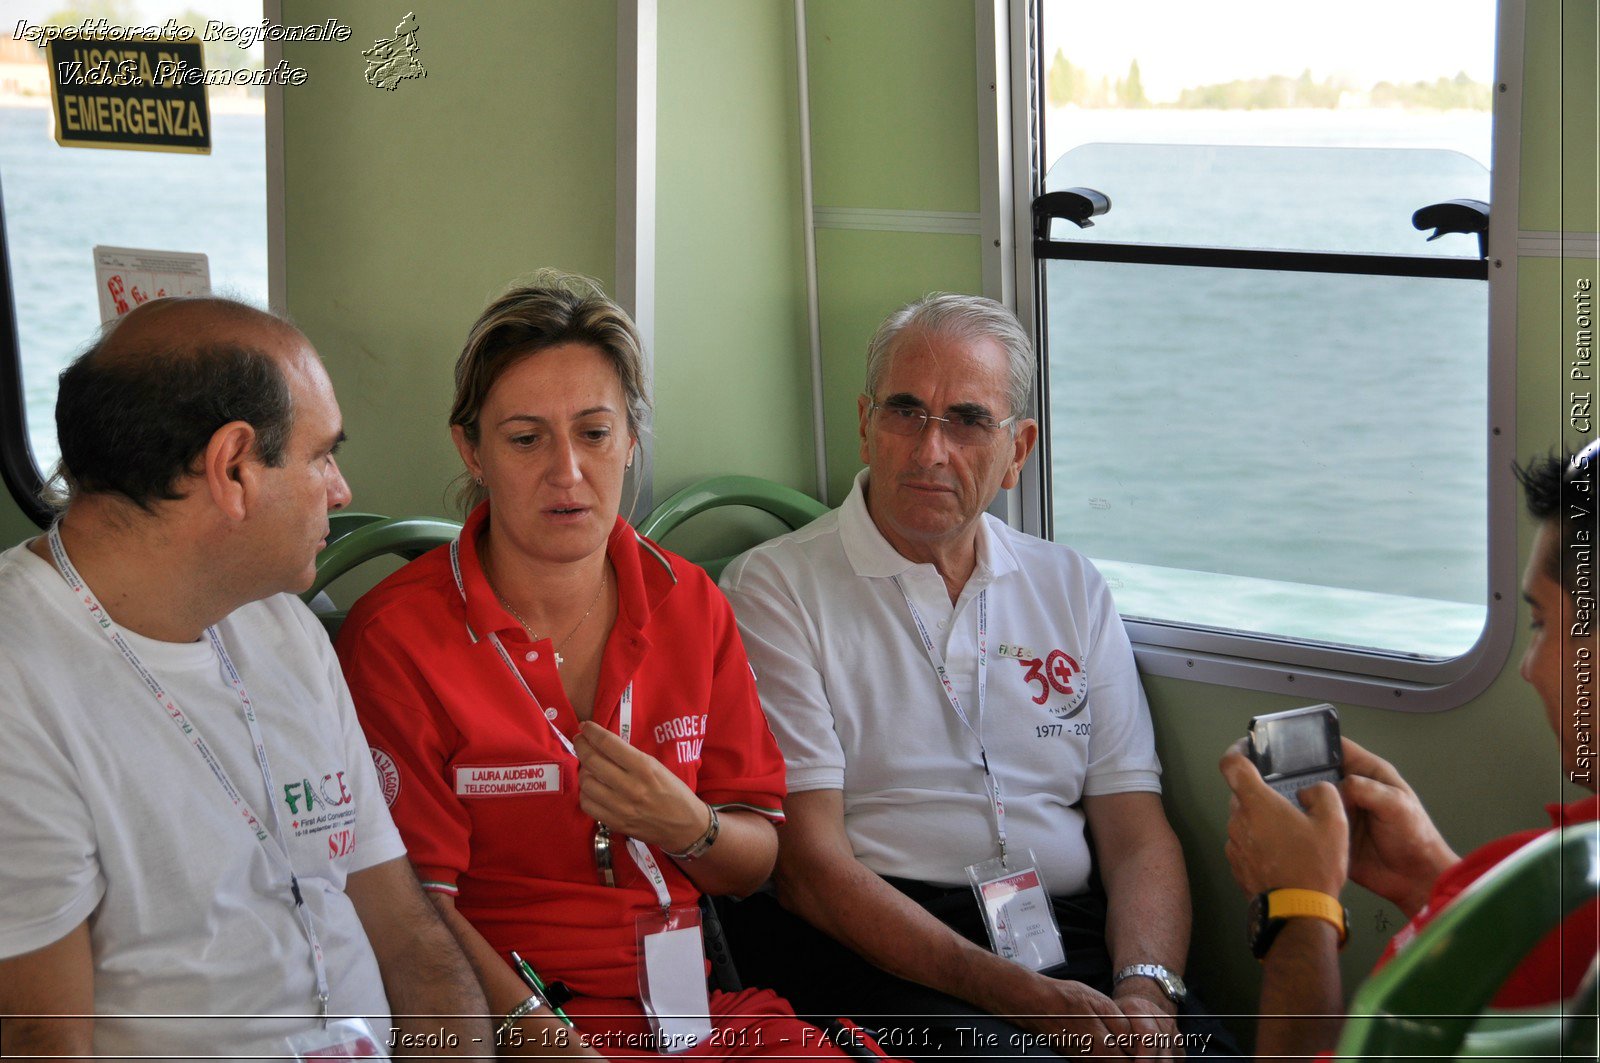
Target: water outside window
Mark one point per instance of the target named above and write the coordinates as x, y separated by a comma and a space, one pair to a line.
1291, 455
62, 202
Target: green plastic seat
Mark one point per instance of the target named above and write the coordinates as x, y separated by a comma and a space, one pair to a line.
364, 539
344, 522
1429, 1001
794, 509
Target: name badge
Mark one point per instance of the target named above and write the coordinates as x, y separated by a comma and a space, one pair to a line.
348, 1038
1017, 912
672, 978
508, 780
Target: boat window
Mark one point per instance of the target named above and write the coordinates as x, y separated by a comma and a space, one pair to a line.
60, 203
1266, 393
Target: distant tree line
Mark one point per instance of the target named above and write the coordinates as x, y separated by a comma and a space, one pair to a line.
1066, 83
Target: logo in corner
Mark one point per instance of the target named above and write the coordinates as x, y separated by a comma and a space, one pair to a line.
393, 60
388, 775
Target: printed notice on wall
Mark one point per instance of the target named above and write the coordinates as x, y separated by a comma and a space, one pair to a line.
128, 276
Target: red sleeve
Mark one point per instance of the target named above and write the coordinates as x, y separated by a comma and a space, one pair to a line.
411, 737
740, 766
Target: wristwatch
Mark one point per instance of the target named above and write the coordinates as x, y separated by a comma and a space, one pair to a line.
1170, 983
1270, 910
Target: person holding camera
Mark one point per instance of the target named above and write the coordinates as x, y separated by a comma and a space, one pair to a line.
1372, 828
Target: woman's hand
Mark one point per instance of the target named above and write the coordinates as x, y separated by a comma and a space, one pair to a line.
635, 794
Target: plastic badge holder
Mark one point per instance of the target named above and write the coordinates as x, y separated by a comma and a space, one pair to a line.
348, 1038
672, 978
1017, 911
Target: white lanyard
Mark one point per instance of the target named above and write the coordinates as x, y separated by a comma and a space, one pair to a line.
191, 732
638, 850
990, 782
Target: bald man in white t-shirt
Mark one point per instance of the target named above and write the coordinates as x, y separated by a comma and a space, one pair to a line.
198, 858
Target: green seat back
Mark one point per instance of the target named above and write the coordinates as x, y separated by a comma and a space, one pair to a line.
1428, 1000
366, 536
344, 522
792, 508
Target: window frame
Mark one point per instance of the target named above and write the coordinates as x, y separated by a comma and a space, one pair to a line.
19, 466
1013, 170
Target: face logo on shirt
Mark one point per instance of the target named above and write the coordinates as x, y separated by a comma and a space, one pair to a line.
388, 775
305, 795
1055, 674
323, 805
685, 735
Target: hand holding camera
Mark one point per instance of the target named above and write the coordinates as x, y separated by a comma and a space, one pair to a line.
1275, 842
1395, 850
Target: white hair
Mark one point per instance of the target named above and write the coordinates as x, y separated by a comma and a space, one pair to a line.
968, 317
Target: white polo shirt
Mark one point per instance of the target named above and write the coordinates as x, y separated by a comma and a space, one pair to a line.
856, 705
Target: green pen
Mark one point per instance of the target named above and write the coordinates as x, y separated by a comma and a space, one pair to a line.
534, 983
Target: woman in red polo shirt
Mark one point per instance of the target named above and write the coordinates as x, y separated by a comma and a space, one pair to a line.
562, 712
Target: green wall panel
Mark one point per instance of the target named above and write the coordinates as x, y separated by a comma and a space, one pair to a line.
864, 276
894, 104
1580, 121
1560, 124
732, 357
14, 526
894, 126
407, 210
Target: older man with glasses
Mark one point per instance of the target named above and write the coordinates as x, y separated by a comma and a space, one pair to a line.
958, 707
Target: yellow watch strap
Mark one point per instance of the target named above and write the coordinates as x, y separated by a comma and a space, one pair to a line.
1313, 904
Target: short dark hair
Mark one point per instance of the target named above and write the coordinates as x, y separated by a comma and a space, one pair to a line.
134, 421
1560, 489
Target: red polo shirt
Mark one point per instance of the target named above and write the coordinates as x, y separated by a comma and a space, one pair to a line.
483, 792
1552, 971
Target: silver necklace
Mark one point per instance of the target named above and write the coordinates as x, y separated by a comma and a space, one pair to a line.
560, 660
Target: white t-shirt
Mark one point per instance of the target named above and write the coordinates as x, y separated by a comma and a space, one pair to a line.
107, 813
856, 705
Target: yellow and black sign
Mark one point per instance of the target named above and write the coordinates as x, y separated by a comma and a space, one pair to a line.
145, 95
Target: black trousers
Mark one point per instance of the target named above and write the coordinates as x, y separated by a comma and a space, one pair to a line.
775, 949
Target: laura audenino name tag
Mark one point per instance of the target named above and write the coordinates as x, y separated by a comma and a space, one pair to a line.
1017, 913
508, 780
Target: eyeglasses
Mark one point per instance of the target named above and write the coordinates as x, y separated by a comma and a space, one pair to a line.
964, 429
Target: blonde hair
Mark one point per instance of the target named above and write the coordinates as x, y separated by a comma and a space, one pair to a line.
549, 309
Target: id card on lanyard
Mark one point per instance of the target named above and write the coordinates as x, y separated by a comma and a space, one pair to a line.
671, 952
348, 1031
1010, 891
